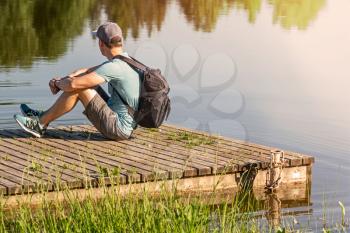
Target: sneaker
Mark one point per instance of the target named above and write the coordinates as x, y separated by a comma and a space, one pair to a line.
27, 111
30, 125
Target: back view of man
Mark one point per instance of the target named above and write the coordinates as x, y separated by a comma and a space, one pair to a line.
109, 114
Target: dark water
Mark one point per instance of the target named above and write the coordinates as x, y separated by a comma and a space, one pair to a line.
272, 72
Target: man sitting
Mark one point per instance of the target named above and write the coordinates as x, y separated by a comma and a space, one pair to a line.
108, 114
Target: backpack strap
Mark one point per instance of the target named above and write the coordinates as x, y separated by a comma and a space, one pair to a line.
135, 65
132, 62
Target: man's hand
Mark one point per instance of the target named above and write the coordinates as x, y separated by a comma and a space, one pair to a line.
82, 81
53, 87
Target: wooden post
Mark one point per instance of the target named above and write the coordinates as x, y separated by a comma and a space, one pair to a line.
274, 173
273, 212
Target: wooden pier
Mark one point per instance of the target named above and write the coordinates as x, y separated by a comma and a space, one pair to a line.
78, 156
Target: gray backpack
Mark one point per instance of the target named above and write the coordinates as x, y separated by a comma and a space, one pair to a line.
154, 103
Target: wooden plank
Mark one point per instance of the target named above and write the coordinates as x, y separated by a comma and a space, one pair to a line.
201, 158
27, 184
45, 168
292, 158
12, 159
144, 172
14, 184
3, 190
244, 152
21, 150
69, 157
150, 156
141, 169
9, 186
203, 186
179, 151
20, 171
308, 160
250, 144
191, 167
133, 152
225, 154
66, 176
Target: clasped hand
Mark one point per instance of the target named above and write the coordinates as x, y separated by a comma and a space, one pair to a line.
53, 87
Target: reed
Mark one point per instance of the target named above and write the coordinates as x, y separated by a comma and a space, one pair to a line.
142, 211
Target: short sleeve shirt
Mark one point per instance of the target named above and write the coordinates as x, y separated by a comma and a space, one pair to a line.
121, 77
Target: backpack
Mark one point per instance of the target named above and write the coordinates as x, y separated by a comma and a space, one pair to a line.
154, 103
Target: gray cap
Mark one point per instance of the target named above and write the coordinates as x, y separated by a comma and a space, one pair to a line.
107, 31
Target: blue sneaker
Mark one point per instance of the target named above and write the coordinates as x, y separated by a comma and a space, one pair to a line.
27, 111
30, 125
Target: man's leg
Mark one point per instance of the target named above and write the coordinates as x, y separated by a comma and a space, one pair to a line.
65, 103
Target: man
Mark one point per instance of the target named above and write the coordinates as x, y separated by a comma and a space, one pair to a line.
108, 114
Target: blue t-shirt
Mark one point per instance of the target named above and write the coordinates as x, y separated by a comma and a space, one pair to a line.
121, 77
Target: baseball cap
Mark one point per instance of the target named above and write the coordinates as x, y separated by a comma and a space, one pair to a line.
107, 31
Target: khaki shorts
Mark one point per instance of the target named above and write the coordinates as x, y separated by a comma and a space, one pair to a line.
102, 117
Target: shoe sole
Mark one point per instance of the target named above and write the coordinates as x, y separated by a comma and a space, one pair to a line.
28, 130
24, 114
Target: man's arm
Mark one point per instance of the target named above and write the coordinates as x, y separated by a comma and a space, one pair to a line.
82, 81
83, 71
67, 84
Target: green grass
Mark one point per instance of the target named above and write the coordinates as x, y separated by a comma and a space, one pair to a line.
190, 139
142, 212
133, 213
152, 130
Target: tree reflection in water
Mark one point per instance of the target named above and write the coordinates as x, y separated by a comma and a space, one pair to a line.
296, 13
135, 14
43, 29
39, 29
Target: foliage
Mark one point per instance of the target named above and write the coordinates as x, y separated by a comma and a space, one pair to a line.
127, 209
44, 29
140, 212
133, 15
203, 14
296, 13
39, 29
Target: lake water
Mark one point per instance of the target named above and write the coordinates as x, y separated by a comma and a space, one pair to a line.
272, 72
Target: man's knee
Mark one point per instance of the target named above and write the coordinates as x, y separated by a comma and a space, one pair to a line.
86, 95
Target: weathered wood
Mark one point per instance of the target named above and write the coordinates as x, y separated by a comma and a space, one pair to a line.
146, 171
79, 156
162, 156
58, 166
238, 154
201, 185
294, 159
211, 158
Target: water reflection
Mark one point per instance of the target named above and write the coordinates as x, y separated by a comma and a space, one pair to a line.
252, 7
203, 14
296, 13
10, 83
43, 29
132, 15
39, 29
